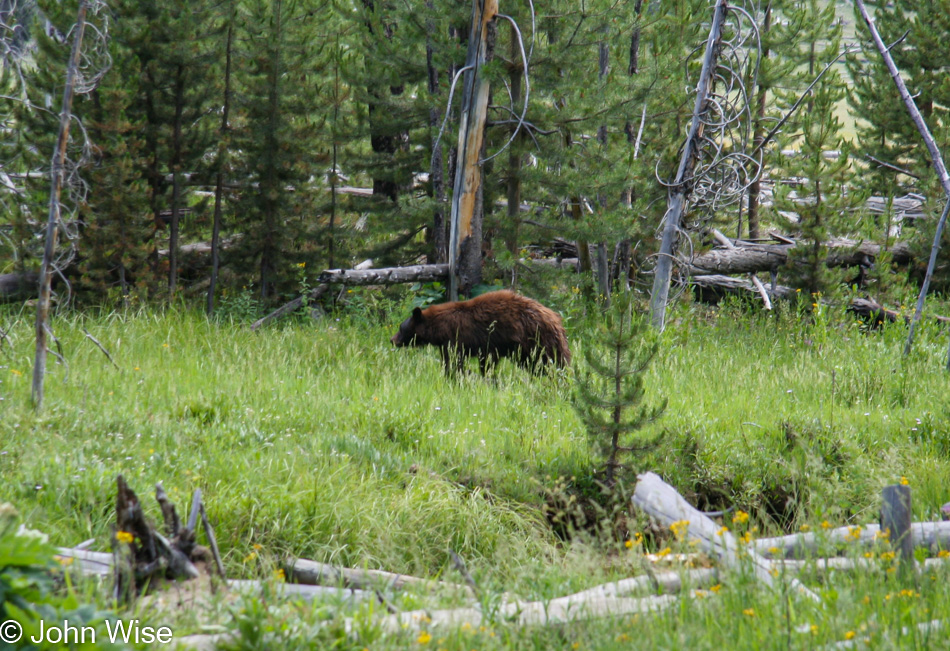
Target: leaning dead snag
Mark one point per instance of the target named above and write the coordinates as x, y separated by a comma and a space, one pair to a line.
935, 156
682, 184
52, 224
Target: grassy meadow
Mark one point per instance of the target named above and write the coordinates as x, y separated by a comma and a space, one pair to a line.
318, 439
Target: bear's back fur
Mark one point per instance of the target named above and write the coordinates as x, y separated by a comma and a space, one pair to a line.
490, 326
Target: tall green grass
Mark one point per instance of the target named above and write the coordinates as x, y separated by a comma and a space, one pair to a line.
318, 439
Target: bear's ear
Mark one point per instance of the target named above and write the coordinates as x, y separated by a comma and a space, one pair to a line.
417, 315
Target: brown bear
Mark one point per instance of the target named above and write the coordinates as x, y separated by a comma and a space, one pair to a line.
491, 326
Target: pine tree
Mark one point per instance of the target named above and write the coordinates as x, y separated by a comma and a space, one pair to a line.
610, 393
823, 205
114, 247
273, 130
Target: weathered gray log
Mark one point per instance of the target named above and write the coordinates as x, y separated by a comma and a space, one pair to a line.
751, 258
296, 590
798, 545
385, 276
722, 239
668, 582
301, 570
660, 501
525, 613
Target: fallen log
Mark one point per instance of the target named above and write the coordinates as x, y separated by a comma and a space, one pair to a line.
383, 276
301, 570
749, 257
713, 287
800, 545
661, 502
524, 613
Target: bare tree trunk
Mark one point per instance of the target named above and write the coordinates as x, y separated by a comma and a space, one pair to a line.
758, 129
682, 184
219, 177
471, 138
52, 224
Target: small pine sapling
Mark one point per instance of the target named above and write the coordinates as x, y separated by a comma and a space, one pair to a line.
610, 393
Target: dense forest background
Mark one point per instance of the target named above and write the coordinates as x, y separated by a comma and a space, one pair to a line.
304, 135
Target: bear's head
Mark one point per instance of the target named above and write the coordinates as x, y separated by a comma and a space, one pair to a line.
409, 331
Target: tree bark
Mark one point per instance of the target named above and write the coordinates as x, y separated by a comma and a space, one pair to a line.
682, 184
52, 224
464, 249
758, 129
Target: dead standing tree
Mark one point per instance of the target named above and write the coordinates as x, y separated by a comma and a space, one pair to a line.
720, 177
465, 228
76, 81
939, 166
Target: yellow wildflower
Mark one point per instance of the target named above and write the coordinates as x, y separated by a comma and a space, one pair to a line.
250, 557
814, 629
825, 524
904, 481
257, 546
280, 575
868, 554
774, 550
722, 530
849, 635
623, 637
15, 372
679, 529
663, 552
124, 536
424, 638
943, 553
301, 264
749, 612
887, 556
854, 533
628, 544
64, 560
715, 588
740, 517
746, 538
804, 528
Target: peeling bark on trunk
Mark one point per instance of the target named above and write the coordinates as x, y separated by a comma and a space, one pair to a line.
465, 241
